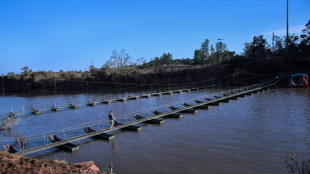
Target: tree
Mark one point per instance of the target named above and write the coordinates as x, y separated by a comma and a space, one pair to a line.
278, 49
247, 50
156, 64
306, 34
205, 50
212, 50
92, 69
212, 54
26, 70
305, 41
10, 74
220, 48
139, 62
183, 61
257, 48
118, 60
198, 56
293, 42
166, 58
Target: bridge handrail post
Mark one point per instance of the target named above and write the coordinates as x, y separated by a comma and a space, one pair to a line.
126, 119
44, 139
99, 124
20, 148
23, 145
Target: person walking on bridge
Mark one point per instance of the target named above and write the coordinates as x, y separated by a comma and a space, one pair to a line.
111, 118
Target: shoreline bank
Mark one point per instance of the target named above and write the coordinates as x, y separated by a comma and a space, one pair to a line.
13, 163
237, 72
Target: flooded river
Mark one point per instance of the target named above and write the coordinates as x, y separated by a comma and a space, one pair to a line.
250, 135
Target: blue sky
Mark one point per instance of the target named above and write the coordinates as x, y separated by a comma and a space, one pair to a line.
73, 34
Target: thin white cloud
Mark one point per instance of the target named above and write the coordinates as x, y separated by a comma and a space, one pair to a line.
292, 30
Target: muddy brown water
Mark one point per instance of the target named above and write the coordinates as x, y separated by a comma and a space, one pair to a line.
249, 135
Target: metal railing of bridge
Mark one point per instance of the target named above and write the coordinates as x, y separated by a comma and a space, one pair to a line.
75, 133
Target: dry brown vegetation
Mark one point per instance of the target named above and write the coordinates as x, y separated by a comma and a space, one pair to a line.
106, 78
296, 166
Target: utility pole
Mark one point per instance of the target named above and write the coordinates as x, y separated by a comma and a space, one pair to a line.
287, 26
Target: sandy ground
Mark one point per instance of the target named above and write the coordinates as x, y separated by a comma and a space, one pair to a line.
12, 163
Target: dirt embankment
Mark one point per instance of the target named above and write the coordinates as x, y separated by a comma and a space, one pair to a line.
160, 77
12, 163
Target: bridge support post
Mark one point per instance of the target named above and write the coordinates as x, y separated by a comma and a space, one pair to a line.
20, 148
44, 139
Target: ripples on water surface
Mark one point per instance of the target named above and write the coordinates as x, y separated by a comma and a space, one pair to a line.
249, 135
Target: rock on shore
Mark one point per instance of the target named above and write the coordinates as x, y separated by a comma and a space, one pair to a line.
12, 163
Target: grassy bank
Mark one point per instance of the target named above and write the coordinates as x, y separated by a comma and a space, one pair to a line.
235, 72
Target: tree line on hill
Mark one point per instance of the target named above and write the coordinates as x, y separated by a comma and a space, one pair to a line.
297, 46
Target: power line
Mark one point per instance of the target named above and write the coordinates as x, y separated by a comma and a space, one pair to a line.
53, 24
228, 5
244, 4
261, 2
